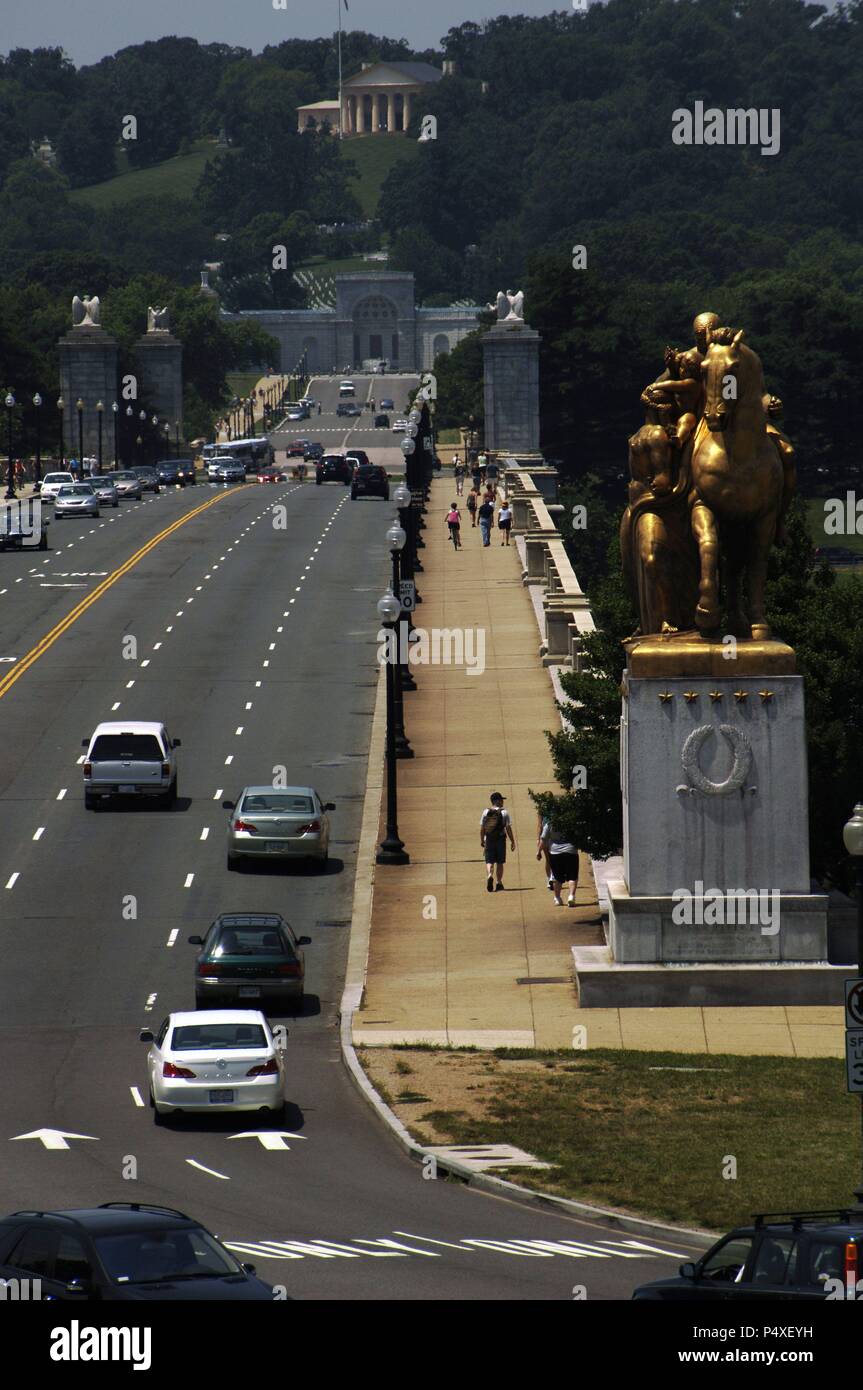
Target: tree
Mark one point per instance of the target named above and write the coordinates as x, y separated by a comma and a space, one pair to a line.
459, 383
36, 215
86, 144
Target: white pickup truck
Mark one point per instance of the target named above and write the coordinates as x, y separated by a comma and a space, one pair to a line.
130, 758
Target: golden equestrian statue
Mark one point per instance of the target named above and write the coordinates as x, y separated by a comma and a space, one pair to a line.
711, 478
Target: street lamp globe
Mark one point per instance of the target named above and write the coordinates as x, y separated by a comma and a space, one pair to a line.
402, 496
407, 445
389, 608
10, 401
61, 404
396, 537
37, 400
142, 415
852, 832
412, 429
415, 416
114, 407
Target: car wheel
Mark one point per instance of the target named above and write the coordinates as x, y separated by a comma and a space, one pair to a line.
158, 1118
318, 481
90, 802
201, 1001
232, 862
43, 541
170, 795
116, 504
353, 495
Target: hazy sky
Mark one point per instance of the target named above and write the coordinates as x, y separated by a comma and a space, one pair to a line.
89, 29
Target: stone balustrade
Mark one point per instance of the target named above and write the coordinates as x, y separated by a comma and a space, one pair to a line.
565, 606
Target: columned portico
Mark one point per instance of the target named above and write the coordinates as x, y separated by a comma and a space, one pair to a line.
379, 99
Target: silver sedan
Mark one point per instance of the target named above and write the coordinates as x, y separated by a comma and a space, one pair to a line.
105, 491
278, 822
127, 483
76, 499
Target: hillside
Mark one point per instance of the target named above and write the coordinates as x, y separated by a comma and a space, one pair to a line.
175, 177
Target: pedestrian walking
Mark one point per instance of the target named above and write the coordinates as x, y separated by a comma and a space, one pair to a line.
472, 504
19, 473
504, 522
486, 520
476, 474
453, 521
562, 859
491, 471
319, 407
482, 461
495, 827
458, 470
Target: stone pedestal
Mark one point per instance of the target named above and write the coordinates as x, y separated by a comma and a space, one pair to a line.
511, 389
88, 371
715, 849
160, 364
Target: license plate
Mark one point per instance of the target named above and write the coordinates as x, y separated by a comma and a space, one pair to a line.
249, 991
274, 846
221, 1097
126, 788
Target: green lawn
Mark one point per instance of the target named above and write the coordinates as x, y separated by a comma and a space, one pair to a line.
241, 383
816, 515
175, 177
648, 1132
374, 156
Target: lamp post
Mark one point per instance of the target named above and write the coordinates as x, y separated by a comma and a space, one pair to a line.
395, 540
391, 849
167, 428
10, 483
155, 423
129, 413
403, 500
61, 406
37, 469
114, 412
852, 835
100, 408
79, 406
177, 436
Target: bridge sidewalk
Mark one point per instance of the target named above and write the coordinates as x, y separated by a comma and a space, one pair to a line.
450, 963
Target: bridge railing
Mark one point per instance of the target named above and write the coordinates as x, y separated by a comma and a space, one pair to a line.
567, 616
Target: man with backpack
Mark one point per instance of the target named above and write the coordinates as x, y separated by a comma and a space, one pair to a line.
494, 827
486, 517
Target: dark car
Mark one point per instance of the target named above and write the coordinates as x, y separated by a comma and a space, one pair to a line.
356, 456
187, 470
370, 480
249, 956
382, 422
313, 451
126, 1251
168, 472
333, 468
297, 448
149, 477
348, 408
809, 1255
271, 475
387, 403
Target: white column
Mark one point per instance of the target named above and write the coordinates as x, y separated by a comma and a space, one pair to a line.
391, 113
361, 113
409, 101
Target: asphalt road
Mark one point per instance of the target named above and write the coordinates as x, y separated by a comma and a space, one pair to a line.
255, 642
338, 433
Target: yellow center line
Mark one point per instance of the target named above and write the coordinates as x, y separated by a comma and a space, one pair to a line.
50, 638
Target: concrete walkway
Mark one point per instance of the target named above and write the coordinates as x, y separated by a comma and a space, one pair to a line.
450, 963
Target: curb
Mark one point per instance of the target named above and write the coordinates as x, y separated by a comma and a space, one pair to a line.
352, 995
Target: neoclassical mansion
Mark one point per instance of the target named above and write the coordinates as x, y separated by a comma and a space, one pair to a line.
375, 316
378, 100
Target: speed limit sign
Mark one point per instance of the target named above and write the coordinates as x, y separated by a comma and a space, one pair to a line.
408, 595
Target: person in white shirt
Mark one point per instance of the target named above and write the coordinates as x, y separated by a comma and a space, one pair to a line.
494, 827
562, 860
504, 521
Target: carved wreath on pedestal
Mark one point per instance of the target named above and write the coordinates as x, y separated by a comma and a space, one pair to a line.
690, 754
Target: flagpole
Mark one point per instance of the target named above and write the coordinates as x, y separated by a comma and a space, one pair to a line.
341, 116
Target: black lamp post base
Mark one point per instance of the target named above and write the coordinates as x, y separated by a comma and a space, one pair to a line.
403, 748
392, 852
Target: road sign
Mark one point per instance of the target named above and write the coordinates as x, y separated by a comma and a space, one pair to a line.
408, 595
854, 1003
854, 1058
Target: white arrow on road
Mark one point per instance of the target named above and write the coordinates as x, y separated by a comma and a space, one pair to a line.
270, 1138
51, 1138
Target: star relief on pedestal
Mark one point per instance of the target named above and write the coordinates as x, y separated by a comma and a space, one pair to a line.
690, 695
765, 695
665, 696
715, 695
741, 695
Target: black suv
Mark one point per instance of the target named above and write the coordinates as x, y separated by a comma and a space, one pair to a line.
123, 1250
370, 480
334, 468
809, 1255
313, 451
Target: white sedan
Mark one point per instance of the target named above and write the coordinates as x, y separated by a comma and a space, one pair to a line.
52, 483
215, 1060
400, 425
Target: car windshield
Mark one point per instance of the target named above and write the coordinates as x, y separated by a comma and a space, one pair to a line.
209, 1037
135, 747
278, 803
78, 490
150, 1257
249, 941
58, 478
